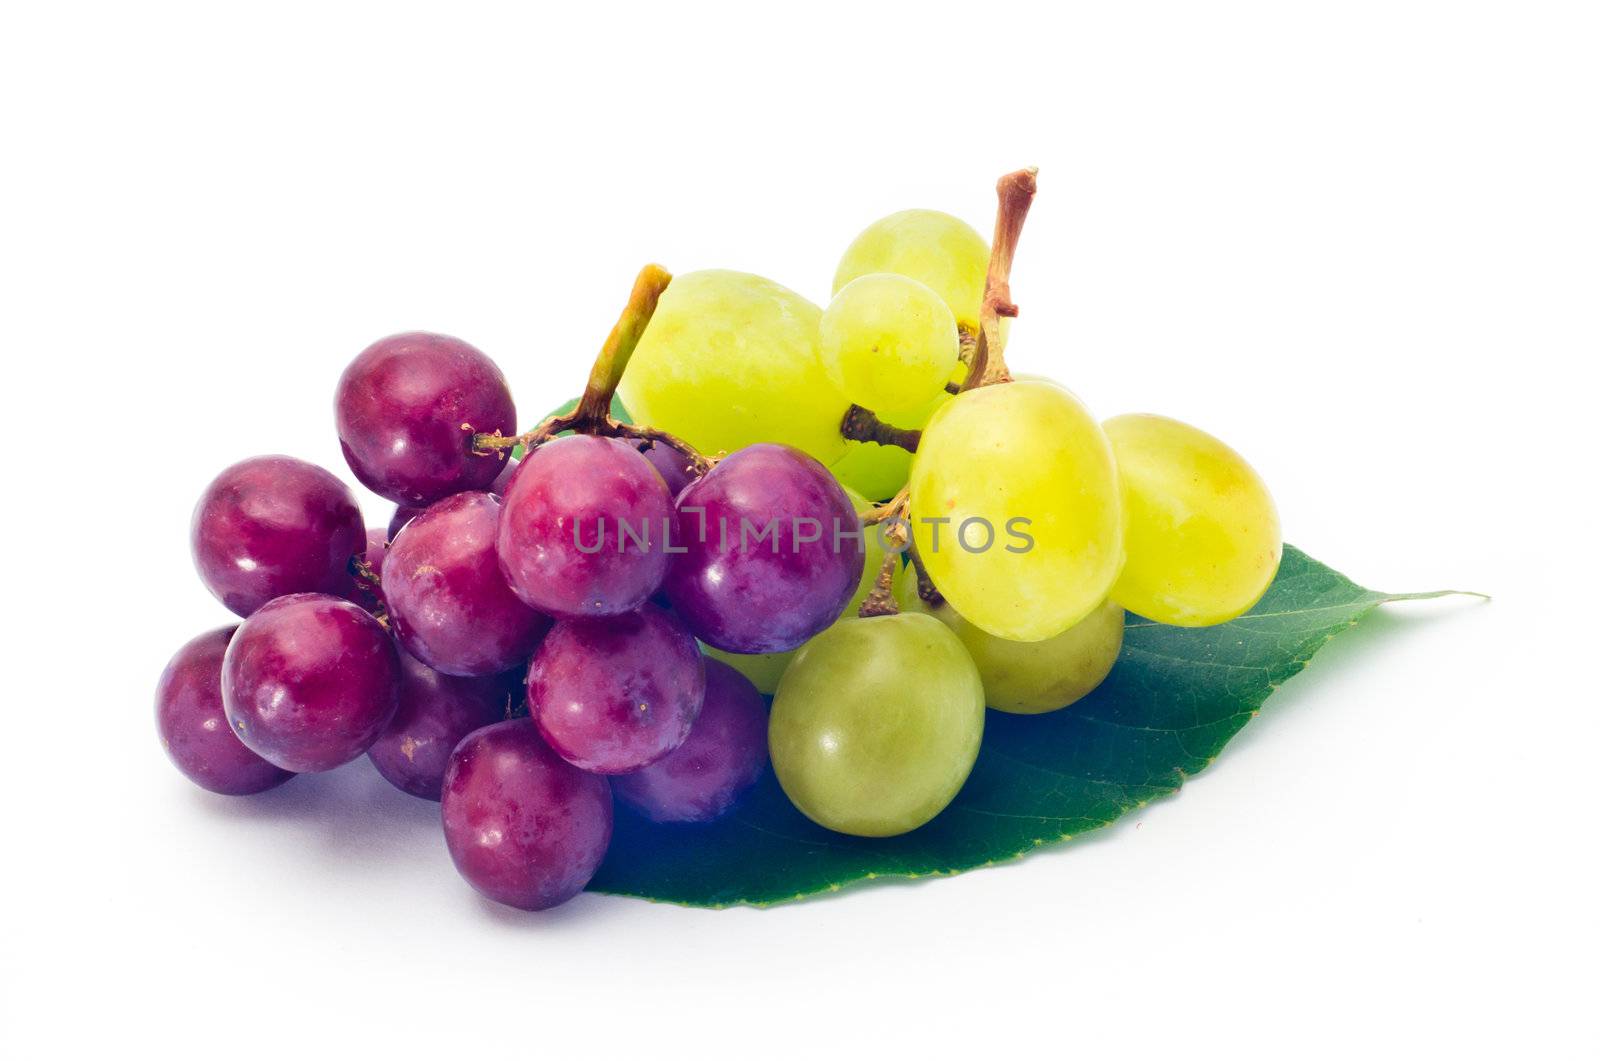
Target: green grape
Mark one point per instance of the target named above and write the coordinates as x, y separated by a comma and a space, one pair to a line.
730, 359
876, 724
941, 251
878, 471
765, 668
889, 342
1015, 510
1030, 677
874, 470
1202, 533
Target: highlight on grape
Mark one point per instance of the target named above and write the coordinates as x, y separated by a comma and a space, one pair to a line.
820, 541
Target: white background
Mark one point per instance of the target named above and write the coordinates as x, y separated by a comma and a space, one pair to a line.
1357, 240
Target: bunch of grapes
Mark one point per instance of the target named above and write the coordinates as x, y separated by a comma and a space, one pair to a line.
856, 511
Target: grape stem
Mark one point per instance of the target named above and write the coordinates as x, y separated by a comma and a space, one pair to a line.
368, 582
1016, 192
862, 425
925, 588
593, 414
969, 350
893, 508
881, 600
361, 568
648, 287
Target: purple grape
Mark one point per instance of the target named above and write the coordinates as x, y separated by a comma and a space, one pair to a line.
401, 407
448, 601
436, 711
725, 752
773, 551
675, 469
502, 482
584, 528
269, 526
612, 695
403, 514
525, 827
195, 731
310, 681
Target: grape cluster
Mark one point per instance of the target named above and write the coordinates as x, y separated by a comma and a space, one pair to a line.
854, 510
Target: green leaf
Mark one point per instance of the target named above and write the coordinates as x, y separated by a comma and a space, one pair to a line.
1175, 697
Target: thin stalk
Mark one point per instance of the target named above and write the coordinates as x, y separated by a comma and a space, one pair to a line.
881, 600
593, 416
862, 425
648, 286
1016, 192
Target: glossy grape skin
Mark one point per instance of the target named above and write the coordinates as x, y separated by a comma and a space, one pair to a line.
524, 827
448, 601
1030, 677
933, 248
583, 489
195, 731
724, 754
611, 695
310, 681
765, 669
401, 406
675, 469
889, 342
1202, 532
876, 724
1027, 450
773, 595
269, 526
436, 711
878, 472
730, 359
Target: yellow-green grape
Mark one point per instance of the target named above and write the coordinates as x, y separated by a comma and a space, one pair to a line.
878, 471
941, 251
1015, 509
876, 724
730, 359
765, 668
1030, 677
1202, 533
889, 342
874, 470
